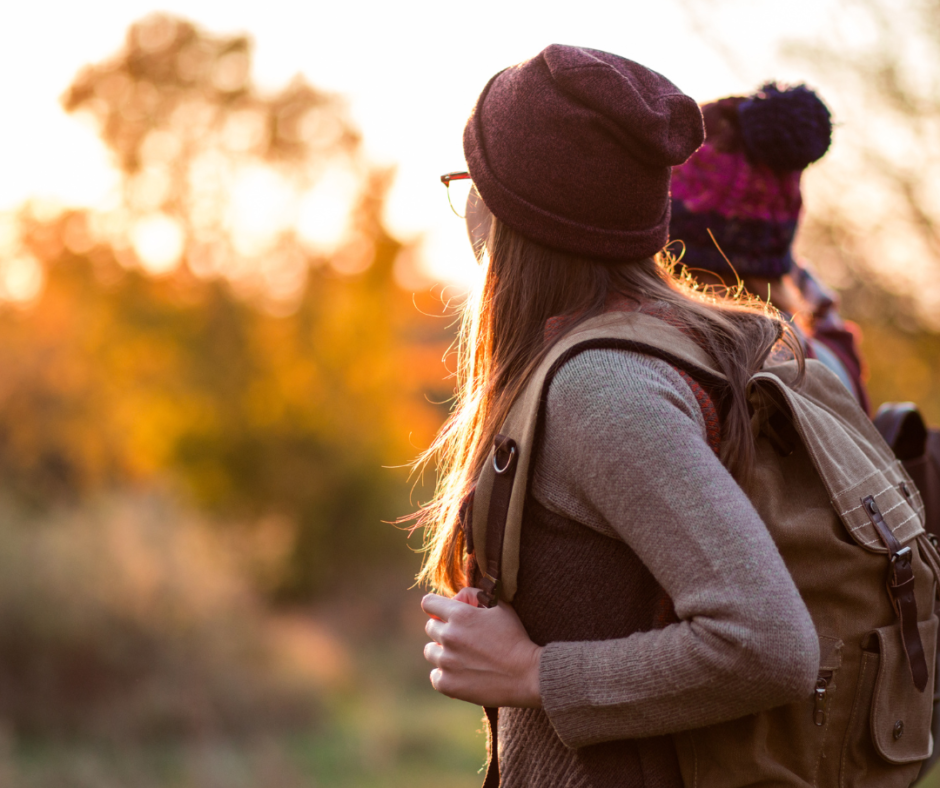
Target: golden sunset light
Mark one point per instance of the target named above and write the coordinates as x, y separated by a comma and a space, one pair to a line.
255, 384
410, 86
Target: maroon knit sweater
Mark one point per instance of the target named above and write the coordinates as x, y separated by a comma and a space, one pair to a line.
568, 575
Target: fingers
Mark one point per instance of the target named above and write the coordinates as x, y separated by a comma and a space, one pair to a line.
433, 652
444, 609
444, 683
439, 607
481, 655
468, 596
435, 629
442, 679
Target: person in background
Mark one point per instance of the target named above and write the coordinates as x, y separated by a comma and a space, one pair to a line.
736, 207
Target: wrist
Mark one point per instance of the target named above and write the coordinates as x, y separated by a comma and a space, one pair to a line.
533, 697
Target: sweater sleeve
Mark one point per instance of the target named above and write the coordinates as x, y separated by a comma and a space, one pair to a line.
625, 453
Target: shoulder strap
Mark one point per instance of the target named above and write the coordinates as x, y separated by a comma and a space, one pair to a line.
499, 499
903, 429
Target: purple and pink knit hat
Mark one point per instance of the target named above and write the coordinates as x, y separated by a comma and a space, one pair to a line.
743, 184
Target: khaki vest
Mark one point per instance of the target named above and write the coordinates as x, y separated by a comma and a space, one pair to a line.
832, 496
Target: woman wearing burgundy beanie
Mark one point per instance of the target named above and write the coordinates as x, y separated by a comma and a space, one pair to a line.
650, 596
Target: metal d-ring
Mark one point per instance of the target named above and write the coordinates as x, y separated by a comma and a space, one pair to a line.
512, 453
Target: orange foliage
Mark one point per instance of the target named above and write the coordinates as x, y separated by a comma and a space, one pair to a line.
258, 399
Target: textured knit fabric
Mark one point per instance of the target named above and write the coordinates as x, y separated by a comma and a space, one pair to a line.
786, 128
728, 185
751, 211
736, 202
573, 149
625, 456
552, 605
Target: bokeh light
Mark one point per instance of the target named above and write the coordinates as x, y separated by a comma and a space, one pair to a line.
21, 279
158, 242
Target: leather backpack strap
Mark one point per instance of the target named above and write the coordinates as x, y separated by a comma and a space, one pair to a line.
504, 461
903, 429
901, 590
925, 473
505, 456
492, 767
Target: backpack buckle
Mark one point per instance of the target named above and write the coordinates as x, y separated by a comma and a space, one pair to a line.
504, 456
901, 591
903, 556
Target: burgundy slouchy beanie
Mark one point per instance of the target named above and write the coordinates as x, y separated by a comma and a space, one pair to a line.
574, 148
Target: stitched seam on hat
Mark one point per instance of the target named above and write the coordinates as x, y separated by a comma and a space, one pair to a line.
595, 66
607, 67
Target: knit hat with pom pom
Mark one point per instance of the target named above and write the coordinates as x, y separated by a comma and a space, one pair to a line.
743, 184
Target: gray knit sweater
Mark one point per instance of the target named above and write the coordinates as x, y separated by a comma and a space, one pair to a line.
625, 453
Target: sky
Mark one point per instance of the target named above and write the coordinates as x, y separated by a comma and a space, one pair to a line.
411, 72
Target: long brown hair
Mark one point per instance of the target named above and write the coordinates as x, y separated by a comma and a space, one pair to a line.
502, 340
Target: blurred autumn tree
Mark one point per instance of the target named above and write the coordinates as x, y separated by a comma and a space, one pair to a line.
874, 226
190, 333
871, 222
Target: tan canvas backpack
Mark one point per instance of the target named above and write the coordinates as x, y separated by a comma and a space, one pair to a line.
848, 522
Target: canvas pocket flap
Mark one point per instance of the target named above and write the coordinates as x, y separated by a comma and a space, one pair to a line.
900, 715
850, 456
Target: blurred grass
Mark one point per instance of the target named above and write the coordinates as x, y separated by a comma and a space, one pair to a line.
422, 741
134, 652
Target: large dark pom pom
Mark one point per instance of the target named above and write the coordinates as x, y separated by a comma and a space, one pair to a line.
785, 129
